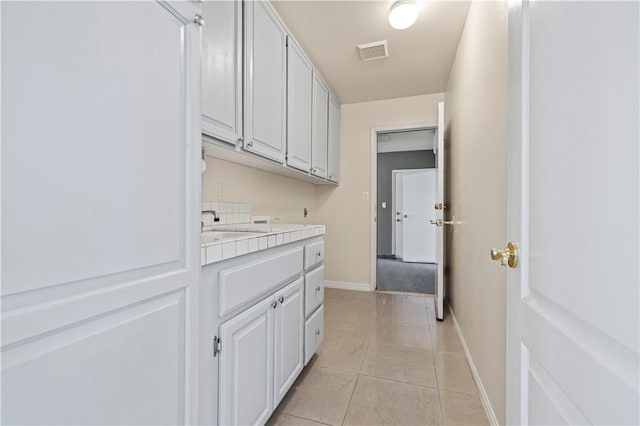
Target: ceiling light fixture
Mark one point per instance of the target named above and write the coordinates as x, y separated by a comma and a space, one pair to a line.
403, 14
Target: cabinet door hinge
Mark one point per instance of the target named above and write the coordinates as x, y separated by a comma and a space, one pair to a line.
217, 346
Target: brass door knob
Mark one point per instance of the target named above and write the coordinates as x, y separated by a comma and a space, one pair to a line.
508, 256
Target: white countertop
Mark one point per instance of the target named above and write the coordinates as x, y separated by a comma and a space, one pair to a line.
222, 242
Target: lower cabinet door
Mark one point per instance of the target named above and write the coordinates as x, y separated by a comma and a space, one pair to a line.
288, 352
313, 333
246, 366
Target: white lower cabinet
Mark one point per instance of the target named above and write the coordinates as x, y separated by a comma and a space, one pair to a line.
314, 290
266, 322
313, 334
261, 356
246, 366
288, 339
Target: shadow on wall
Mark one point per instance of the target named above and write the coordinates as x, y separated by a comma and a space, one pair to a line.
449, 212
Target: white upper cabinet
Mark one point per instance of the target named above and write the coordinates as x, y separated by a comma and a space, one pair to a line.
334, 140
265, 81
98, 289
319, 128
299, 90
259, 90
222, 70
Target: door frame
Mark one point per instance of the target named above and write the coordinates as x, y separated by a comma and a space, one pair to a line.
373, 188
394, 194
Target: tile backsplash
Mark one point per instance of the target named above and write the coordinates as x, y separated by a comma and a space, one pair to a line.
229, 213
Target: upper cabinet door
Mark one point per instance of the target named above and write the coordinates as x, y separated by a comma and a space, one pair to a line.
222, 70
334, 140
100, 124
299, 77
319, 128
265, 81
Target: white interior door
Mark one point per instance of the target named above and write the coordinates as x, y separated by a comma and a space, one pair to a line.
100, 212
397, 214
440, 216
418, 198
572, 302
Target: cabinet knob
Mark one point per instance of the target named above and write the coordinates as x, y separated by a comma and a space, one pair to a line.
274, 305
319, 254
317, 332
240, 139
250, 144
198, 20
318, 288
281, 299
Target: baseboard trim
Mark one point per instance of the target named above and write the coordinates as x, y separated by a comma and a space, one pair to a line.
484, 398
347, 286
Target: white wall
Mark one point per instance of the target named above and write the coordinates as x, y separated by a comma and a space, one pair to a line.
475, 138
269, 194
341, 209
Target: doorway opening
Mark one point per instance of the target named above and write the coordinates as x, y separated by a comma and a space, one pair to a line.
406, 191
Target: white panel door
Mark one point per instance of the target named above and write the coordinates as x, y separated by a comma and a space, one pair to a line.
100, 196
319, 125
246, 366
418, 198
222, 70
299, 89
573, 197
440, 213
288, 338
265, 81
333, 169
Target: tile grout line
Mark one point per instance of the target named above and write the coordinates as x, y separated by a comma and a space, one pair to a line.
400, 382
375, 322
305, 418
344, 418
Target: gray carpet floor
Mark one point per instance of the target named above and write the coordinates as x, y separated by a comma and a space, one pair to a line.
396, 275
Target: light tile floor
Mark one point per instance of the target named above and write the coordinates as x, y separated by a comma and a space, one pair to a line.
385, 360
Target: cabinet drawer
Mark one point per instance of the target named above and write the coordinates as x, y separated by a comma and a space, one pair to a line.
313, 290
313, 333
313, 254
242, 283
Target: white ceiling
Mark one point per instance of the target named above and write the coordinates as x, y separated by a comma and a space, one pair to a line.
419, 59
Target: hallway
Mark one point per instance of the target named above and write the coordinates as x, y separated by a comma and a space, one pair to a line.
384, 360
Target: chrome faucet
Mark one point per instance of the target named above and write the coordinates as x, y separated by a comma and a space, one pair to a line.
216, 218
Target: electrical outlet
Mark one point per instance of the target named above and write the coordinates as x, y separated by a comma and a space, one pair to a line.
221, 191
365, 196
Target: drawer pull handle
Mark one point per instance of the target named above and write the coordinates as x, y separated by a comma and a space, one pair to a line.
281, 299
318, 288
317, 332
274, 305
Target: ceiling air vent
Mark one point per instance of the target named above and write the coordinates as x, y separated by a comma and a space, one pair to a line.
375, 50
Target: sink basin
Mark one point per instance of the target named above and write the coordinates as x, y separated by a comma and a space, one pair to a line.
209, 237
